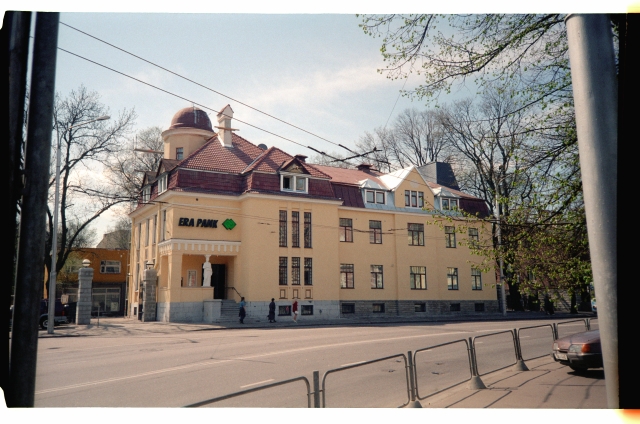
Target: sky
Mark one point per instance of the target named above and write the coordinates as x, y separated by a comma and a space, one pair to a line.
311, 66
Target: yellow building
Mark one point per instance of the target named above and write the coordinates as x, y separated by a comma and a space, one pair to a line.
223, 218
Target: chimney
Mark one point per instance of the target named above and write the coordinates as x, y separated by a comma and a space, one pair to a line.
365, 167
224, 126
301, 158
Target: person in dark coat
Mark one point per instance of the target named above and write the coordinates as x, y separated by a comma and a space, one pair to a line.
243, 312
272, 311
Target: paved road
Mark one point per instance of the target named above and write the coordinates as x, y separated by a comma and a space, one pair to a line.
128, 367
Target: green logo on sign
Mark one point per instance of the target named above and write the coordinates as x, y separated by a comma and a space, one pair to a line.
229, 224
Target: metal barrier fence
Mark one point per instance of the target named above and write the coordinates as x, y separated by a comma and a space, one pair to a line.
316, 398
451, 384
564, 324
515, 350
408, 371
532, 329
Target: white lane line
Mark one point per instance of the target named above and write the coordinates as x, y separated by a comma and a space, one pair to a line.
353, 363
128, 377
255, 384
215, 362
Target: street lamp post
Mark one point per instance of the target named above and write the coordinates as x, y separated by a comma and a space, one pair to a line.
54, 235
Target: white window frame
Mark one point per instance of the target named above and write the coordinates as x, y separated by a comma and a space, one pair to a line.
146, 194
162, 183
104, 265
449, 200
375, 196
294, 183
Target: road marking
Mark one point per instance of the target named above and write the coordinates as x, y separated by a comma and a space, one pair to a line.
213, 362
353, 363
128, 377
255, 384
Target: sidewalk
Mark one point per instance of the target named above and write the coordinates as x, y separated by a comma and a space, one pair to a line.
546, 385
123, 326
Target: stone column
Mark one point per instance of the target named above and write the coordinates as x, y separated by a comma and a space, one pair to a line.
149, 301
85, 281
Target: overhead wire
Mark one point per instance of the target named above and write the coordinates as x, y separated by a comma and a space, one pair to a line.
205, 87
356, 155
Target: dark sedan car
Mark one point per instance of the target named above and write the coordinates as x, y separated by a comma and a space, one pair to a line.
579, 351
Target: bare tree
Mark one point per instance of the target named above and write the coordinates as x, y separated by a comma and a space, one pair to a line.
85, 150
126, 168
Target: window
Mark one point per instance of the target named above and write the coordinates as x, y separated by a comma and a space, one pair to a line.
374, 196
164, 225
282, 279
346, 230
449, 204
476, 279
376, 277
283, 229
450, 236
138, 236
153, 229
348, 308
146, 233
162, 183
375, 232
474, 239
420, 307
179, 153
109, 267
454, 307
418, 277
307, 230
295, 271
146, 194
413, 199
346, 276
294, 183
105, 300
306, 309
295, 229
416, 234
452, 278
284, 310
308, 277
479, 307
378, 308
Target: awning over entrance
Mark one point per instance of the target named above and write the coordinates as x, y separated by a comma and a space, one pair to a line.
218, 247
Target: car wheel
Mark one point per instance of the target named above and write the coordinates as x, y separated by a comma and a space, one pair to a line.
44, 323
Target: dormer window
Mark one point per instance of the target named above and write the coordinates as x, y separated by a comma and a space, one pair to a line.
162, 184
146, 194
294, 183
449, 204
414, 199
374, 196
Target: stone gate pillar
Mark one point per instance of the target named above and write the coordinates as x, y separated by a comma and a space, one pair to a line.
149, 301
85, 281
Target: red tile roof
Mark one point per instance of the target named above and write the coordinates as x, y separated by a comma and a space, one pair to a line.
213, 156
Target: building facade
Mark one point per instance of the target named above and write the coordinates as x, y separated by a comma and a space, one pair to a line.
109, 288
223, 218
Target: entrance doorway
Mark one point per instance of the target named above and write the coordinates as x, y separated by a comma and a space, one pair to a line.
219, 281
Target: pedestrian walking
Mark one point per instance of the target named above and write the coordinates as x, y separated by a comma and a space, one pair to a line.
272, 310
295, 311
243, 312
